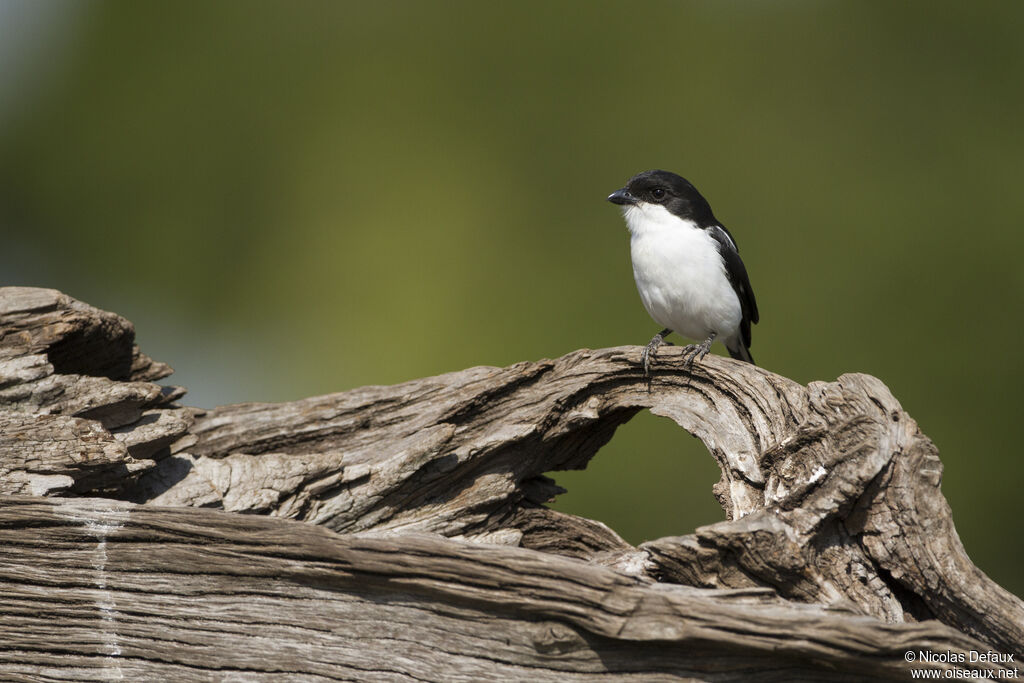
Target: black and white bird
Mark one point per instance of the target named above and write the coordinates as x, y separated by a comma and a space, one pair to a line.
687, 266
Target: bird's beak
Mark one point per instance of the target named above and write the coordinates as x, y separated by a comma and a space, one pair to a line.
622, 196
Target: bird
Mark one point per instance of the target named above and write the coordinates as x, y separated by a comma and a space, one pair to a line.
687, 267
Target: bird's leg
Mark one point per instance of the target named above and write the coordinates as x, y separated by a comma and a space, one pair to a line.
652, 348
696, 352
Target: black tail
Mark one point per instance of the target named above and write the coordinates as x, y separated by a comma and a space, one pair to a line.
741, 352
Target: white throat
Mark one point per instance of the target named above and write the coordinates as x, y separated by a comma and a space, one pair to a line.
645, 218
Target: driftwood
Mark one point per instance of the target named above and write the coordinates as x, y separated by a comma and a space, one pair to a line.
400, 532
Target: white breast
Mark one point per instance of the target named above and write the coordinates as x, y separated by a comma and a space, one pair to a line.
680, 274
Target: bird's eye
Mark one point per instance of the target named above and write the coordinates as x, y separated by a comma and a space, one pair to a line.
658, 193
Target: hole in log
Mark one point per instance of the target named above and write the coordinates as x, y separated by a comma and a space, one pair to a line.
653, 479
96, 351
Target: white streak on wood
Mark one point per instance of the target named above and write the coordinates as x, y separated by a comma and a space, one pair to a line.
101, 519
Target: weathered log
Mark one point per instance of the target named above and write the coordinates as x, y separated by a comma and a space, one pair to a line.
416, 543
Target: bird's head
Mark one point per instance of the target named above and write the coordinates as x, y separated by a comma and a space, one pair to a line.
651, 189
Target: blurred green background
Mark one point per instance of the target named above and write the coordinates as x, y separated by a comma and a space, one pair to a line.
293, 198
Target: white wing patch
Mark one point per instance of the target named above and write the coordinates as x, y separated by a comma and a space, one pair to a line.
723, 234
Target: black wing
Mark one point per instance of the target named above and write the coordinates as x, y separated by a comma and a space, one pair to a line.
737, 274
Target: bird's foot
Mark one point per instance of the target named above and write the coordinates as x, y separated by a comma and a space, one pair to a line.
696, 352
652, 349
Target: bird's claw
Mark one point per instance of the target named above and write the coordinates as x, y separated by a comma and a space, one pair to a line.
650, 351
696, 352
645, 356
